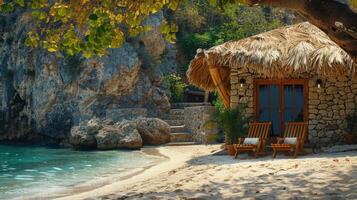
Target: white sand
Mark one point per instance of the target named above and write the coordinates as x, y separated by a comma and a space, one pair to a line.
191, 172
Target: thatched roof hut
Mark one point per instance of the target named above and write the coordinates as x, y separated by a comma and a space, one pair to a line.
291, 49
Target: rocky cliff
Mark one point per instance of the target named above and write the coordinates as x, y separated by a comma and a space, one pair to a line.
43, 95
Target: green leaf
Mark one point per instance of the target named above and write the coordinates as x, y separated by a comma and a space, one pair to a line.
20, 2
62, 11
93, 17
7, 7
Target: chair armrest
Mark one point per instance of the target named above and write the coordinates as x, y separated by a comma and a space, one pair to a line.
280, 140
241, 140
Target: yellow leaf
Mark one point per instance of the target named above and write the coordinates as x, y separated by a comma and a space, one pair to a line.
87, 54
52, 49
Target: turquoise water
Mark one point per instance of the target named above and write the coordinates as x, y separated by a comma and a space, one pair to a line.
28, 171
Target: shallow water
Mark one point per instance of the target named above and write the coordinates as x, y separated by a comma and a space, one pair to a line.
28, 171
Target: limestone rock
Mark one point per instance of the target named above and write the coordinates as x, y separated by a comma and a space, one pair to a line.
152, 41
82, 136
121, 135
153, 131
80, 139
120, 74
47, 94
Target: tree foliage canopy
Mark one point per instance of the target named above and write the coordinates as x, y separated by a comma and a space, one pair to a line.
92, 26
89, 26
201, 25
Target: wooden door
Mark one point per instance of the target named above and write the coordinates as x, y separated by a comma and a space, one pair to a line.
280, 101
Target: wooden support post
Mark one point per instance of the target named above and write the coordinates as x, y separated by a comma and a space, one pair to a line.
206, 96
218, 82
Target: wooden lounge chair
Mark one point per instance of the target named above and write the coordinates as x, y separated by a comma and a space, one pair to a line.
292, 130
258, 131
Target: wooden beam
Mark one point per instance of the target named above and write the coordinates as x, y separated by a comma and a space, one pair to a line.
206, 96
218, 82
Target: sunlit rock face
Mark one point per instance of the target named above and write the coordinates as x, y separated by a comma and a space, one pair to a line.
128, 134
44, 95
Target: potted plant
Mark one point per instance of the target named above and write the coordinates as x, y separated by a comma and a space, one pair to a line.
233, 123
351, 128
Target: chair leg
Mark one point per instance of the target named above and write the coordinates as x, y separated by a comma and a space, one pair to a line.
297, 148
274, 153
296, 152
236, 155
256, 153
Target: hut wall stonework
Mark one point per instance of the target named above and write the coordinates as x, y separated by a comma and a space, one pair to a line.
327, 106
195, 120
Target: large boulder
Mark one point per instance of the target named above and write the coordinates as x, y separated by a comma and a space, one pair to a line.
153, 131
79, 139
120, 135
83, 136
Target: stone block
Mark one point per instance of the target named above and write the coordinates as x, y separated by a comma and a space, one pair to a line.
313, 122
313, 111
322, 106
234, 99
342, 79
314, 102
350, 105
320, 134
331, 90
340, 84
351, 95
311, 127
313, 96
329, 97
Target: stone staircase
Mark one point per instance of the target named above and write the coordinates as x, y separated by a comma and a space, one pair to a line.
176, 119
179, 134
188, 104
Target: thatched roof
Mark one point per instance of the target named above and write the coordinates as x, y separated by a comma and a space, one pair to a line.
291, 49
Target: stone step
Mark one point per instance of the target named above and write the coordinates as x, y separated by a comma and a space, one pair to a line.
175, 117
177, 111
177, 129
180, 143
188, 104
181, 137
173, 122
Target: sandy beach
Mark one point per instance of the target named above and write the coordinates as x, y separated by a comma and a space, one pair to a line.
194, 172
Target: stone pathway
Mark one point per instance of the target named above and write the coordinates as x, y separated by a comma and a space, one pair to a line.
179, 132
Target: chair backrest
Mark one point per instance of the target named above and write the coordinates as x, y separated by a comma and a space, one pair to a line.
259, 129
296, 129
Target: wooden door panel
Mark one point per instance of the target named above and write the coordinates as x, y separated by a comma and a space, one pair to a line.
284, 100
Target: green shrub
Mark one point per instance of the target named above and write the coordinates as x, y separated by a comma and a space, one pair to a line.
233, 122
176, 86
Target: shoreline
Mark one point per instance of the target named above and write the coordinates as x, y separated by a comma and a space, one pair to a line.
100, 182
197, 172
165, 165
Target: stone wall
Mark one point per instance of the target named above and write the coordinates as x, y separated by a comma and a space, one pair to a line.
195, 120
327, 106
